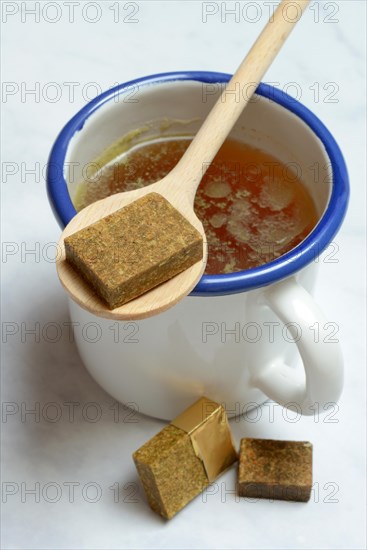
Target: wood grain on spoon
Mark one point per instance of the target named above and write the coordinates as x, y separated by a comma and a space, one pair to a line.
180, 185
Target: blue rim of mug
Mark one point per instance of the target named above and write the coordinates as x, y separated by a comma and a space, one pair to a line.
216, 285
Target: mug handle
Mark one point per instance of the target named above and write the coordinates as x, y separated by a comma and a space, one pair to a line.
322, 358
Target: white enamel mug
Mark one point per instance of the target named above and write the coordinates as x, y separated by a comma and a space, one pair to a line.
237, 337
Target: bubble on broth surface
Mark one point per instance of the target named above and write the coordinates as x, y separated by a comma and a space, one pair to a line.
217, 220
239, 230
275, 194
280, 230
230, 266
238, 223
242, 194
241, 210
217, 189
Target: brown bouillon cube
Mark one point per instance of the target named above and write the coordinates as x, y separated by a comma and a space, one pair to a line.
134, 249
280, 470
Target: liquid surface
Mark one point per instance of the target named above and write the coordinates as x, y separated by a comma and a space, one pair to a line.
253, 208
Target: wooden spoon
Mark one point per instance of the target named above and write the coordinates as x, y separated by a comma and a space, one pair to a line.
180, 185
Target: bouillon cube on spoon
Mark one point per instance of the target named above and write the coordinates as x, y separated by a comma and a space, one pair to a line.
135, 254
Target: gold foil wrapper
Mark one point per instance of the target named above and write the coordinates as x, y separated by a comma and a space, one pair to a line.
180, 461
207, 425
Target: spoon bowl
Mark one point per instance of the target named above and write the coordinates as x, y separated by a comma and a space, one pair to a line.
154, 301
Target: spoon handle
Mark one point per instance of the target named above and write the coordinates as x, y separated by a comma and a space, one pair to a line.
217, 126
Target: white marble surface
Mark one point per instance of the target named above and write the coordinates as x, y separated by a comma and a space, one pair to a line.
51, 456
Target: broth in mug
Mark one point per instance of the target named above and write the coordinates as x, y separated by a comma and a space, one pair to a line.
253, 207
